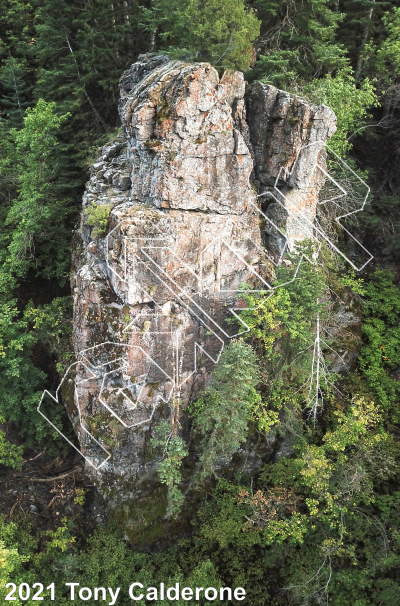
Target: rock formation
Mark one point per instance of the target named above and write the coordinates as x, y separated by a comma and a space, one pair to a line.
287, 135
153, 291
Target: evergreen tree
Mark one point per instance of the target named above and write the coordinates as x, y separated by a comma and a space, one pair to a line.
362, 24
218, 31
35, 233
386, 63
297, 41
222, 414
82, 51
14, 101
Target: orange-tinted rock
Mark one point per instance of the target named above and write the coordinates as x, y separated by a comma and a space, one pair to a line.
153, 293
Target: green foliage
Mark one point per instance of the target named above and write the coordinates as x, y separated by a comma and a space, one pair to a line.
218, 31
300, 525
105, 561
22, 380
221, 414
80, 496
173, 452
282, 330
381, 331
288, 315
98, 218
297, 41
354, 283
109, 562
35, 241
38, 237
363, 29
351, 104
60, 539
12, 77
307, 513
22, 561
321, 475
322, 525
78, 59
381, 223
299, 50
388, 55
10, 562
10, 454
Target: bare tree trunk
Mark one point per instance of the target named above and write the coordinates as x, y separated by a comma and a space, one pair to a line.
99, 119
115, 13
391, 100
363, 43
153, 40
387, 104
126, 13
17, 95
127, 19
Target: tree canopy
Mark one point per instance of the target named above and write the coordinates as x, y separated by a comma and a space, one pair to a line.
319, 525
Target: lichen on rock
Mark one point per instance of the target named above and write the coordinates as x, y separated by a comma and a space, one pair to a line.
153, 294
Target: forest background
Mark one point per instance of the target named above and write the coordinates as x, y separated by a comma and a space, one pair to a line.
319, 527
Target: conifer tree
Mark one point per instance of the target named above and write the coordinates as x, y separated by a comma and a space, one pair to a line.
362, 25
222, 413
82, 51
297, 41
16, 91
218, 31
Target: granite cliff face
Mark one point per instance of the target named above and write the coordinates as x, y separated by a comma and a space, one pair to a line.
154, 290
287, 136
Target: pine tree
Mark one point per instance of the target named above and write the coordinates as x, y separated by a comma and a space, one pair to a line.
15, 99
82, 51
297, 41
362, 24
218, 31
223, 412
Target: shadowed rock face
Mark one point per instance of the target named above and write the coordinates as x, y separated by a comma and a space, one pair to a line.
153, 293
287, 135
280, 125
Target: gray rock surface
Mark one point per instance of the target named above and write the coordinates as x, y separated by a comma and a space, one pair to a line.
287, 134
152, 294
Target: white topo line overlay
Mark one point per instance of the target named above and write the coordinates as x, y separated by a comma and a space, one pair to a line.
147, 252
319, 369
319, 234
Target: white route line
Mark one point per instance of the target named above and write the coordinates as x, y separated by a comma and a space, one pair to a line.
319, 368
58, 401
295, 212
187, 301
91, 368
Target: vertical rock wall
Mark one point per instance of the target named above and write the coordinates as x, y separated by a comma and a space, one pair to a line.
153, 293
288, 135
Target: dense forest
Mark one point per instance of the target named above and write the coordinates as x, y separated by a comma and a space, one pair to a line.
320, 526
